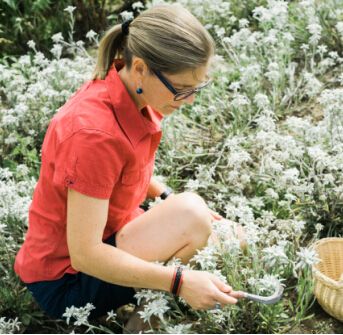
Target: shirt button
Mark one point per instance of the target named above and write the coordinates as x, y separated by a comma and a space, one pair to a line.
69, 181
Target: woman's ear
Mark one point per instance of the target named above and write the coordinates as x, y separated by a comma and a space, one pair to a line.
139, 68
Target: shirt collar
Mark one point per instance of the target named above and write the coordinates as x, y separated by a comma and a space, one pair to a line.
134, 124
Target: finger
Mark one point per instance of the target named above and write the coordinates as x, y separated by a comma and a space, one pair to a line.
237, 294
215, 215
222, 286
225, 299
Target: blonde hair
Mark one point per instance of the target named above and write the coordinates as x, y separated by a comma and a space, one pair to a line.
167, 37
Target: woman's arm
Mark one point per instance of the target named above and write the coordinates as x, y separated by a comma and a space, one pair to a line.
86, 220
155, 189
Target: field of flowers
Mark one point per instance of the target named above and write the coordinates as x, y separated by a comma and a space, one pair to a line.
263, 146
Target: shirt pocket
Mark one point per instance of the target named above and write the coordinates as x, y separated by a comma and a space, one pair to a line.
130, 190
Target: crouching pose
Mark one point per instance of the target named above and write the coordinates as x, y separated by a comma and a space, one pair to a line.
88, 239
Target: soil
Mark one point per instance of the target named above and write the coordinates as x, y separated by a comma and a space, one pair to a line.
321, 323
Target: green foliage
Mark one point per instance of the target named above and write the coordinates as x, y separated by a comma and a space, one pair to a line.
22, 21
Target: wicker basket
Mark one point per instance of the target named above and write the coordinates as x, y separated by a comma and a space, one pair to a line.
328, 276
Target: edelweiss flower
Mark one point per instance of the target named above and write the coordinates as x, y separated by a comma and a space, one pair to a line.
81, 314
179, 329
70, 9
156, 307
307, 258
275, 255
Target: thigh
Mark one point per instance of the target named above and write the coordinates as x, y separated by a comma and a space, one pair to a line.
78, 290
166, 228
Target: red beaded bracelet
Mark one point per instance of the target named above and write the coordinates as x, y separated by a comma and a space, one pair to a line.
177, 281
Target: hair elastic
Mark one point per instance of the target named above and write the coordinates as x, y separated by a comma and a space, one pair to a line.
125, 26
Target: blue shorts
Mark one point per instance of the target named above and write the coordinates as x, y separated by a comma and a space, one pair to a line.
79, 289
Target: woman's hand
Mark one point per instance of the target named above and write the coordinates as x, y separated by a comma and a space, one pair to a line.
215, 215
202, 290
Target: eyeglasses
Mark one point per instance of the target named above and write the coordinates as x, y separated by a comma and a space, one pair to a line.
179, 95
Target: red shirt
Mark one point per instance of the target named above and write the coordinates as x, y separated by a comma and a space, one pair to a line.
100, 145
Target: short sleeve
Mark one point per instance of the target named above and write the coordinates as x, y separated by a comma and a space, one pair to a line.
90, 162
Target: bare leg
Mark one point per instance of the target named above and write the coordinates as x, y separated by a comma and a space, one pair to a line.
175, 228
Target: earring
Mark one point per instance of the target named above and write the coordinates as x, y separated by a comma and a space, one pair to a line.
139, 90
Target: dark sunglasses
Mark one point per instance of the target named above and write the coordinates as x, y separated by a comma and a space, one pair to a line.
179, 95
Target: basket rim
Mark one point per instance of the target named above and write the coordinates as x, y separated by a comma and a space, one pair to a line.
317, 273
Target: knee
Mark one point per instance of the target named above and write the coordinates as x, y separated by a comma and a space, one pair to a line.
194, 209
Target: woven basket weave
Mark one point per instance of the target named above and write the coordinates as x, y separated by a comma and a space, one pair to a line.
328, 276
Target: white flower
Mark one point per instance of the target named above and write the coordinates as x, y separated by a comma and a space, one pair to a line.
275, 13
272, 194
315, 30
235, 86
322, 49
91, 34
261, 100
179, 329
137, 5
70, 9
238, 157
111, 315
257, 202
243, 23
220, 31
56, 38
2, 228
239, 101
23, 60
306, 257
313, 85
275, 255
268, 283
298, 226
145, 295
39, 59
206, 257
56, 50
11, 326
319, 227
265, 121
80, 314
192, 185
31, 44
339, 27
290, 175
80, 43
126, 15
288, 36
156, 307
304, 47
273, 73
22, 169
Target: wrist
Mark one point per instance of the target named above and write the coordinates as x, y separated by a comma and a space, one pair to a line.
166, 193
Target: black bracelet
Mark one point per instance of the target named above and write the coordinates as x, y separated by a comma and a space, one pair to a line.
177, 283
166, 193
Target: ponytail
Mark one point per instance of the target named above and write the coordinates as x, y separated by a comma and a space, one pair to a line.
110, 47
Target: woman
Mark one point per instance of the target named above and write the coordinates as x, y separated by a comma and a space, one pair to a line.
88, 239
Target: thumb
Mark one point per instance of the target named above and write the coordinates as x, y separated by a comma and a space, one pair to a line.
215, 215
